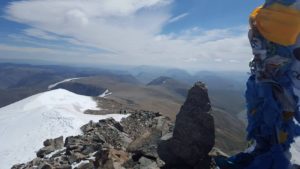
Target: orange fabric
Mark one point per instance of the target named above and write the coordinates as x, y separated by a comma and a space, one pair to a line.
277, 23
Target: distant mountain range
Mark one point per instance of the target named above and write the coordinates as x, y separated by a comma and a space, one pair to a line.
18, 81
145, 88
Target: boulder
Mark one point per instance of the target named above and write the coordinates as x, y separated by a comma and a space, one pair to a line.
44, 151
76, 157
137, 123
17, 166
147, 133
45, 166
111, 159
146, 144
194, 134
146, 163
112, 133
51, 145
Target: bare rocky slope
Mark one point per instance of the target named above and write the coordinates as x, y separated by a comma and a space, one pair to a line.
144, 140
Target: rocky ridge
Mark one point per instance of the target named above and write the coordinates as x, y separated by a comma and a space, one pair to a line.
144, 140
106, 144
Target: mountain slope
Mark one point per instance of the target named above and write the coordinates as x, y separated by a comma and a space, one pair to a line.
147, 73
171, 84
127, 90
19, 81
226, 89
230, 132
27, 123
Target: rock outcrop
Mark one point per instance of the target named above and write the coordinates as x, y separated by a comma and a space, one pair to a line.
51, 145
193, 136
107, 144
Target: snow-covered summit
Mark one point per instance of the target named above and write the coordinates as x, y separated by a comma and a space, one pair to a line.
27, 123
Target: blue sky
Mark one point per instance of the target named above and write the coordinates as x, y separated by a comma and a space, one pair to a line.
210, 14
190, 34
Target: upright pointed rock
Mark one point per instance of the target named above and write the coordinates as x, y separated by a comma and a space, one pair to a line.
194, 133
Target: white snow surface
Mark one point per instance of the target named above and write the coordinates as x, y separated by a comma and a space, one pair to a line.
24, 125
66, 80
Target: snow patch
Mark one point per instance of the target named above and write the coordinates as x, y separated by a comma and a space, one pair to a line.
54, 152
66, 80
75, 165
27, 123
106, 93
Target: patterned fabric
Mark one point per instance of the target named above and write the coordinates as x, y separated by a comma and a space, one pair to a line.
271, 103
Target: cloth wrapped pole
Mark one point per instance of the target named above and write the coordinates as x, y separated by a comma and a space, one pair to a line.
271, 102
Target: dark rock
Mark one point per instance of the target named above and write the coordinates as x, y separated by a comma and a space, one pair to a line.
112, 134
47, 142
73, 143
146, 129
51, 145
146, 144
44, 151
193, 136
45, 166
111, 159
146, 163
83, 144
61, 162
137, 123
90, 148
17, 166
164, 125
88, 127
76, 157
113, 123
63, 166
59, 142
142, 163
132, 164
